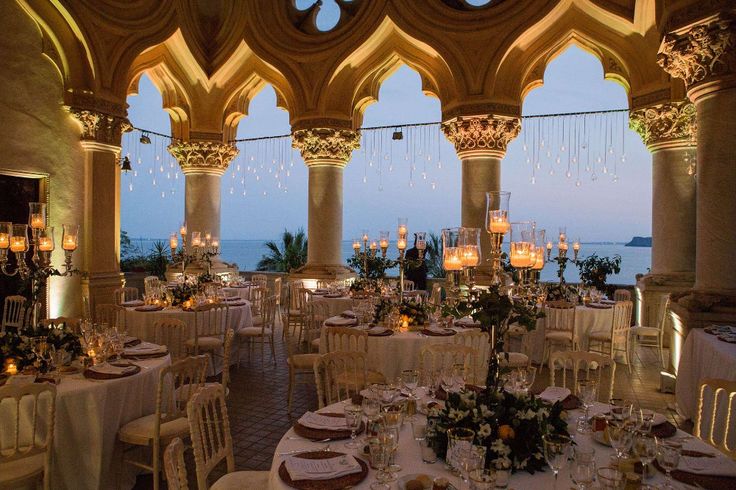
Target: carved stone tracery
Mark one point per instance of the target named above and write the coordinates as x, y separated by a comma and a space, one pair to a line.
706, 52
325, 144
663, 123
100, 127
211, 157
477, 133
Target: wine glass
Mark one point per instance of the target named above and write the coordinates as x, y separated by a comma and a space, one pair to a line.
469, 458
588, 392
621, 437
556, 449
621, 409
645, 448
353, 418
390, 437
645, 418
582, 469
611, 478
410, 379
668, 457
526, 377
380, 456
458, 377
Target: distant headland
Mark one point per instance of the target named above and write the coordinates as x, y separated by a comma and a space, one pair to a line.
640, 241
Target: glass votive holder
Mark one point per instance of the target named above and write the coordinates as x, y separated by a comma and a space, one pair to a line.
611, 478
481, 479
427, 451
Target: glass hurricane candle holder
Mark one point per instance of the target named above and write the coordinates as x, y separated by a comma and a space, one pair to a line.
6, 231
421, 243
497, 225
37, 215
356, 246
383, 242
196, 239
403, 228
19, 239
452, 259
70, 237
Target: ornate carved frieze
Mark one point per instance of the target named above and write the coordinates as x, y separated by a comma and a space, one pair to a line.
664, 122
705, 53
211, 157
100, 127
325, 144
476, 133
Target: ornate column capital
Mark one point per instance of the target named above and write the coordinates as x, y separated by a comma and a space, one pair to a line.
325, 146
203, 157
704, 55
481, 135
665, 125
100, 127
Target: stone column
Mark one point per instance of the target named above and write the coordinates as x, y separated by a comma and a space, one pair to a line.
668, 131
704, 56
325, 151
203, 163
480, 143
100, 245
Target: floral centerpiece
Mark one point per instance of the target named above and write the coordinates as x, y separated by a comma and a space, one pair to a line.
184, 292
509, 425
413, 313
18, 345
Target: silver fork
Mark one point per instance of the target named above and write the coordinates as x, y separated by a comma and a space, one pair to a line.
299, 451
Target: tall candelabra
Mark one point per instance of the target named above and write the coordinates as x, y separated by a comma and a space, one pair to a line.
497, 225
562, 259
199, 251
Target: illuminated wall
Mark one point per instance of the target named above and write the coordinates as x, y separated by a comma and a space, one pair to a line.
37, 135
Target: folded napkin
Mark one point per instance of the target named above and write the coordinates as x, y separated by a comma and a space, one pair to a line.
321, 469
149, 308
133, 302
467, 320
114, 370
318, 421
339, 321
240, 302
718, 466
348, 314
377, 330
144, 348
553, 394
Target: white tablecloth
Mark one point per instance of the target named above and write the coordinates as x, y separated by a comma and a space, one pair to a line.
242, 292
391, 355
88, 416
587, 321
703, 356
140, 324
335, 305
408, 458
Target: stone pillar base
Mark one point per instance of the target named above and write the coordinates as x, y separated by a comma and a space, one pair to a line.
311, 273
100, 286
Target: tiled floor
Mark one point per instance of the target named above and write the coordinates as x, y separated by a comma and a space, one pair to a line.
258, 393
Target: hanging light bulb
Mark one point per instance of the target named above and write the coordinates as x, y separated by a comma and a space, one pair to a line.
605, 169
593, 176
533, 180
578, 183
551, 171
135, 173
623, 158
130, 187
568, 174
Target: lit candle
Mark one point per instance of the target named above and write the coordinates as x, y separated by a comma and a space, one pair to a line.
470, 256
539, 263
12, 369
384, 243
70, 243
374, 245
401, 244
549, 245
520, 255
37, 221
69, 240
215, 242
196, 239
173, 242
563, 237
402, 230
576, 246
356, 246
45, 244
452, 260
365, 236
183, 230
562, 246
207, 237
499, 224
4, 240
18, 244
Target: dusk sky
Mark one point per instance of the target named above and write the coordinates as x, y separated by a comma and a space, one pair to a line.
600, 210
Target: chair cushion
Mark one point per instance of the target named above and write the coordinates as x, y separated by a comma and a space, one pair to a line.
558, 335
645, 331
253, 332
257, 319
206, 343
516, 359
303, 361
295, 312
140, 431
241, 479
315, 344
600, 336
21, 469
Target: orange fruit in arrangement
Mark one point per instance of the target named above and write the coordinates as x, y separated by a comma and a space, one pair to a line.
506, 432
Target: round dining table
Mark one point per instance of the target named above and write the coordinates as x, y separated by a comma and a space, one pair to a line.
140, 324
335, 304
242, 292
408, 457
89, 412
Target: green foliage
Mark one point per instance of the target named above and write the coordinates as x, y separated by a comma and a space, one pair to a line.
158, 259
290, 254
184, 292
371, 267
433, 255
19, 345
134, 259
595, 270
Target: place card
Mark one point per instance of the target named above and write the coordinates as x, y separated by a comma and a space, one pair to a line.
321, 469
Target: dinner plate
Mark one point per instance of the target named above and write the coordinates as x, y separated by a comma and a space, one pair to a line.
319, 434
341, 482
427, 485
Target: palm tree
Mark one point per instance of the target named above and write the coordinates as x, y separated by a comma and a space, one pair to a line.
290, 254
434, 256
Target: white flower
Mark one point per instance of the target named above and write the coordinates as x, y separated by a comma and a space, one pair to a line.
500, 448
484, 430
457, 414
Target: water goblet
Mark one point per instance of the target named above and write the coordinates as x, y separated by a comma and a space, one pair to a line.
621, 437
611, 478
410, 379
353, 418
481, 479
380, 455
556, 450
621, 409
390, 437
668, 457
526, 377
645, 419
458, 377
645, 448
582, 471
588, 392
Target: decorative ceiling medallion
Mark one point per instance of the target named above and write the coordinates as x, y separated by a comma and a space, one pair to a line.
481, 132
325, 144
705, 52
664, 122
203, 156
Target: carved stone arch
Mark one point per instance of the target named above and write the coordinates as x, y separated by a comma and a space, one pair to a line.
626, 49
355, 82
63, 44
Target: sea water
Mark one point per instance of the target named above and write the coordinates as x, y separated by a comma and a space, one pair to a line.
634, 260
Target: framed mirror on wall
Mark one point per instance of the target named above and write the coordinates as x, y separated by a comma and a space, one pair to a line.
17, 189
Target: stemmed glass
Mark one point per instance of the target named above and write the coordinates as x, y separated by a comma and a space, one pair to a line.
645, 447
668, 457
526, 376
621, 410
582, 469
588, 392
390, 437
380, 456
621, 436
410, 379
371, 409
470, 458
556, 450
353, 418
